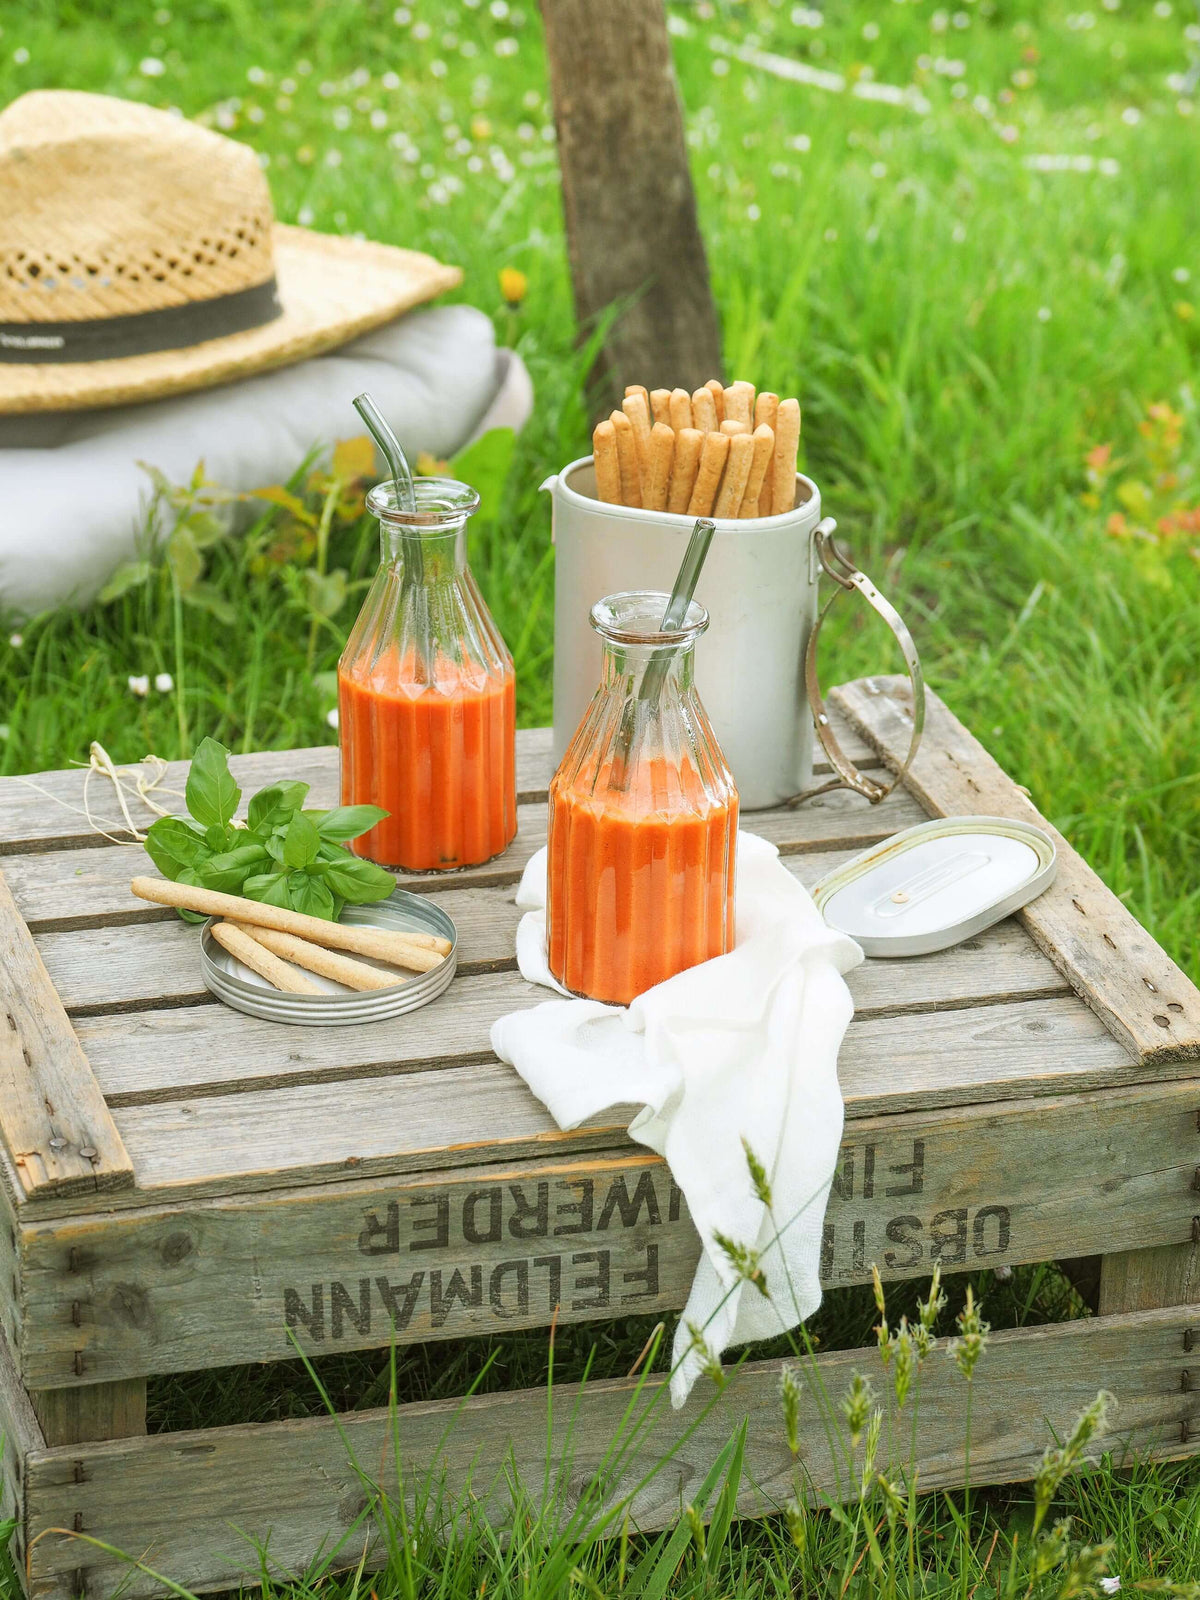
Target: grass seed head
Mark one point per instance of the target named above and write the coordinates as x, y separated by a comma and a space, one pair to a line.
789, 1394
857, 1404
973, 1337
758, 1175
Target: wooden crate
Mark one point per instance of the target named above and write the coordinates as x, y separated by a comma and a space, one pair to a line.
185, 1187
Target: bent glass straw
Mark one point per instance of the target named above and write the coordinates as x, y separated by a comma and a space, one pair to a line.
402, 480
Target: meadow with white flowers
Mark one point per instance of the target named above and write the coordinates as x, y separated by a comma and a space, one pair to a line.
966, 238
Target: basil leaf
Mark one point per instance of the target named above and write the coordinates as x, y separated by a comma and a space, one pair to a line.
212, 795
347, 822
219, 838
275, 804
274, 847
229, 870
269, 888
190, 875
359, 881
301, 841
172, 844
310, 895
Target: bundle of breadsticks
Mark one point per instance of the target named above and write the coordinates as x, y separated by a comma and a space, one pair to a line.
274, 941
720, 452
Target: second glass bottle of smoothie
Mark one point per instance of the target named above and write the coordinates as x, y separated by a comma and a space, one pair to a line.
643, 816
426, 694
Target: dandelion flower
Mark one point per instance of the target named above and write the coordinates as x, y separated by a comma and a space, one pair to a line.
514, 285
163, 682
139, 686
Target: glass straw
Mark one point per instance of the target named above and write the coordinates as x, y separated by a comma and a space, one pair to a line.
413, 581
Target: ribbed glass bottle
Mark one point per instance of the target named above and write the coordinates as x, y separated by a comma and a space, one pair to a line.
426, 694
643, 816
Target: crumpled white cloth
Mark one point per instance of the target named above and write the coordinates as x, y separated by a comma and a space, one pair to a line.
743, 1047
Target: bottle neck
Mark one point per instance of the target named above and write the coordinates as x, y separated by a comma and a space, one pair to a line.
625, 666
434, 553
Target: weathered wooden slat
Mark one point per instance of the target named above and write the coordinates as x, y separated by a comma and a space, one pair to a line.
20, 1436
142, 1056
346, 1124
92, 1411
109, 969
55, 1127
459, 1253
71, 889
1107, 956
1165, 1275
48, 810
175, 1495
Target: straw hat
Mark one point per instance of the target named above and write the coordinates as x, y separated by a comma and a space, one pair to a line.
139, 256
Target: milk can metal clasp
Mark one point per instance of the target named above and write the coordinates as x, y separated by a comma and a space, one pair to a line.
839, 566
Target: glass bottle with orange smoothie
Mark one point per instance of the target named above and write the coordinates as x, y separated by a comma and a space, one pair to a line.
643, 816
426, 708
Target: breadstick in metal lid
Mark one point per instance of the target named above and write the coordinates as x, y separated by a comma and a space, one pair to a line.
704, 411
766, 409
764, 450
713, 455
787, 444
658, 468
660, 405
627, 456
636, 409
681, 409
717, 389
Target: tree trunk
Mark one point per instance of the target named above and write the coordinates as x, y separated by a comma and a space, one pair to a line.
633, 235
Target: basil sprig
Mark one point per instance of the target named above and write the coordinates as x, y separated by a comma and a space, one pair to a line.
284, 856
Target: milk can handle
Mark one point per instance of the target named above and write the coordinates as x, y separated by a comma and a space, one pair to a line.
847, 576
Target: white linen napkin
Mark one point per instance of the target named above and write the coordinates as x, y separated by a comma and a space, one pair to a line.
740, 1048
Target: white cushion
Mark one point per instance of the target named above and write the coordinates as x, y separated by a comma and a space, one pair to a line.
73, 498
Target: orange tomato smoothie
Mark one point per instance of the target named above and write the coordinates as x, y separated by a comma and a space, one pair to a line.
640, 881
440, 757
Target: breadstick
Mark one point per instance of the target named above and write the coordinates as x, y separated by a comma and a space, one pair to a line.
704, 411
739, 403
658, 468
681, 409
708, 475
419, 952
608, 468
251, 954
660, 404
766, 409
688, 443
639, 388
730, 426
627, 457
783, 470
636, 409
717, 389
354, 974
733, 485
764, 449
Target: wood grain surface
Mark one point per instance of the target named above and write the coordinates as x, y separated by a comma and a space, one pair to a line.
1105, 953
172, 1498
56, 1129
455, 1253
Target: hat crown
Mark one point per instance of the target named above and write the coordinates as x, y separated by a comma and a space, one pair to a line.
113, 208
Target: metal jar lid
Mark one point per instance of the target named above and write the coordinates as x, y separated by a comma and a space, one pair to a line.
338, 1006
937, 884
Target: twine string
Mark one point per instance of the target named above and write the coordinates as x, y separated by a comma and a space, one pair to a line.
147, 780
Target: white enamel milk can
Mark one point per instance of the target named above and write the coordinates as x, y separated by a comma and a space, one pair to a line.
756, 669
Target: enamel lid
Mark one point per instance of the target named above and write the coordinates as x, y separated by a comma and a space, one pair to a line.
936, 884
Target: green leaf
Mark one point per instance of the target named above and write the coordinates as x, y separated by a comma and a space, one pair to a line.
172, 844
218, 837
325, 593
205, 528
228, 871
359, 881
126, 577
301, 841
190, 875
310, 895
184, 558
205, 598
486, 465
275, 804
347, 822
269, 888
212, 795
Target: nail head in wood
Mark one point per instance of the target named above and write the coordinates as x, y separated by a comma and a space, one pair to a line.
1185, 1382
78, 1363
1185, 1431
1189, 1339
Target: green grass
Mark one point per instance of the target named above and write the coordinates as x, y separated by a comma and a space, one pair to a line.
961, 328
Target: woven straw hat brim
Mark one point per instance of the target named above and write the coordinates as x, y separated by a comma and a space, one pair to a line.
332, 289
